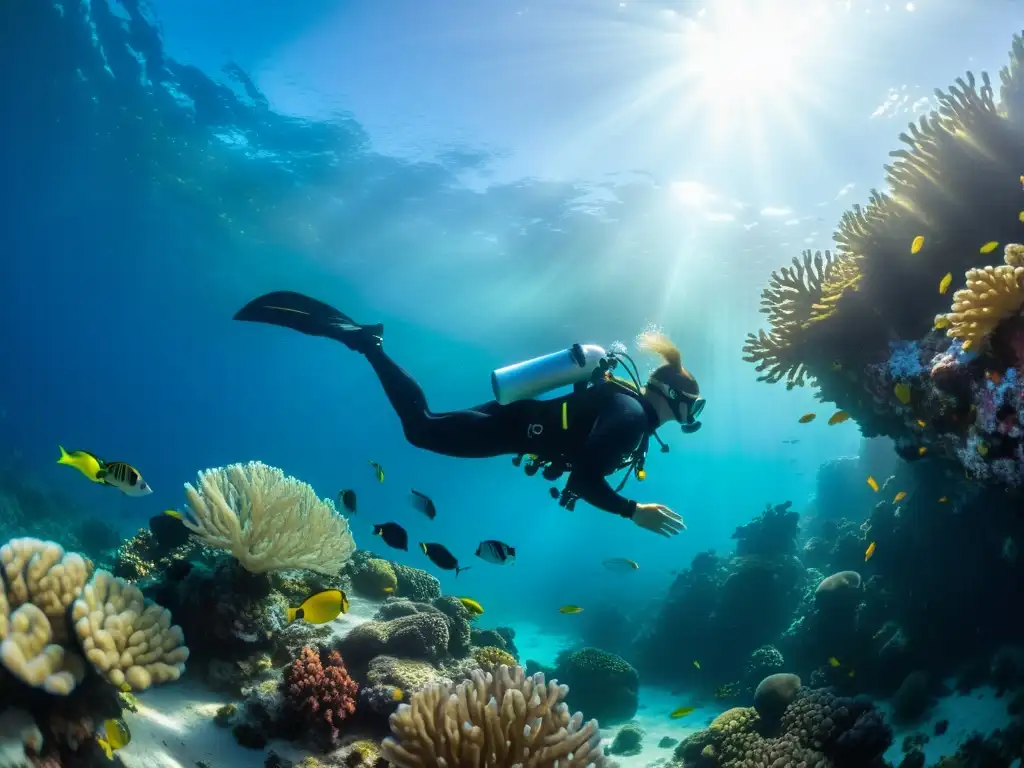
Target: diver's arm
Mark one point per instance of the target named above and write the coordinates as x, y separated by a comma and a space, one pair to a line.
616, 432
594, 489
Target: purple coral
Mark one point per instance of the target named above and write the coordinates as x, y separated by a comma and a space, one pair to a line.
323, 694
904, 360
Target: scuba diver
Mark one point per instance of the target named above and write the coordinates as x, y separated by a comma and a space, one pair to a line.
602, 426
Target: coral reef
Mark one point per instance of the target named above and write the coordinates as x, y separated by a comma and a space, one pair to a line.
817, 729
628, 741
848, 323
603, 686
490, 657
504, 718
375, 579
322, 693
53, 598
267, 521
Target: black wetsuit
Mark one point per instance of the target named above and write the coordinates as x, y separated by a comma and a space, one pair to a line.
605, 425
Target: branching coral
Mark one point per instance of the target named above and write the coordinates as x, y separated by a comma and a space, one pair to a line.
503, 719
992, 295
267, 521
323, 694
792, 301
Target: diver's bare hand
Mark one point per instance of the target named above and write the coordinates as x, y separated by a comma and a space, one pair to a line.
658, 518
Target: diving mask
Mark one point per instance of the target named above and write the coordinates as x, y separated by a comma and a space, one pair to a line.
676, 399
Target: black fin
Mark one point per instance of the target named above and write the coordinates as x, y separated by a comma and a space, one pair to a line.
307, 315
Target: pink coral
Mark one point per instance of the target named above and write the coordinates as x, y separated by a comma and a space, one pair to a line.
323, 694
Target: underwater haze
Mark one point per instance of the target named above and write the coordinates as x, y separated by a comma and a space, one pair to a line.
494, 182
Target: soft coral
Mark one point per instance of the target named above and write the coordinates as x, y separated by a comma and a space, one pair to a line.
322, 693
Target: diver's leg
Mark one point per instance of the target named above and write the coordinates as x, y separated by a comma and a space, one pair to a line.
483, 431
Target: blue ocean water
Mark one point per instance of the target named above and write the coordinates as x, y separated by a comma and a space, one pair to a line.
492, 182
147, 201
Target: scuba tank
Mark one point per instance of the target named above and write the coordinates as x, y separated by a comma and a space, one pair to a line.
528, 379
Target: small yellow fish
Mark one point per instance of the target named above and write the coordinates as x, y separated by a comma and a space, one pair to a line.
922, 450
869, 551
474, 608
320, 608
872, 483
173, 513
838, 418
983, 449
84, 462
115, 735
397, 695
682, 712
990, 246
570, 609
378, 470
922, 423
387, 589
1020, 217
943, 499
696, 664
902, 392
833, 661
941, 321
945, 283
899, 497
917, 244
807, 418
124, 688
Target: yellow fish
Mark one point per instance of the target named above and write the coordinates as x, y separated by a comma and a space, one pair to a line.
902, 392
84, 462
921, 423
899, 497
941, 321
696, 664
990, 246
570, 609
320, 608
173, 513
872, 483
983, 449
943, 499
945, 282
115, 735
922, 450
682, 712
917, 244
474, 608
1020, 217
869, 551
838, 418
397, 695
833, 661
807, 418
378, 470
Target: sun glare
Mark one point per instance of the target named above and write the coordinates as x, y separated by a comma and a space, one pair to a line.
744, 59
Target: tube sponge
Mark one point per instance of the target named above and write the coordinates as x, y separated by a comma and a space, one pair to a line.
126, 638
502, 719
268, 521
992, 294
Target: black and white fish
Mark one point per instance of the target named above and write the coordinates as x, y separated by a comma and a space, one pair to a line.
496, 552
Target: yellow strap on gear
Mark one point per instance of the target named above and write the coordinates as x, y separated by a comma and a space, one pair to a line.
565, 415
